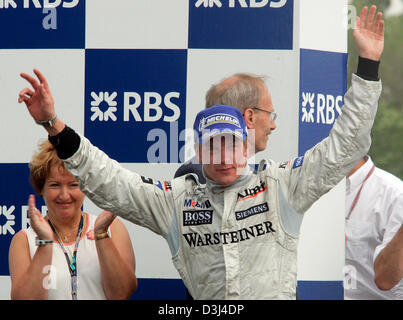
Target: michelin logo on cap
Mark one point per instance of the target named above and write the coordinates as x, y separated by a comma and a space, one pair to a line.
218, 118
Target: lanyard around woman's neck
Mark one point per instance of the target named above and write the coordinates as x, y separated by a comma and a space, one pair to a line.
72, 263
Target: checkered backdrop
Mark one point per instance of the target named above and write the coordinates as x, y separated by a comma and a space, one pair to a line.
131, 76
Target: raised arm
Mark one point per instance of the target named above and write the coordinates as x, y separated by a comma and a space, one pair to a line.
325, 165
103, 180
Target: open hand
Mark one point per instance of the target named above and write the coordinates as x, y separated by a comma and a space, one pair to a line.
39, 101
369, 34
37, 222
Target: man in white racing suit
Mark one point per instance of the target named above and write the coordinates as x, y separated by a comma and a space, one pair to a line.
236, 236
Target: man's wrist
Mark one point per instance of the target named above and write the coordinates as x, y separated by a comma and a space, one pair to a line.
368, 69
56, 128
66, 141
47, 123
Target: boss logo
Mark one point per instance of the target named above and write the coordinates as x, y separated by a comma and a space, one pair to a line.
198, 217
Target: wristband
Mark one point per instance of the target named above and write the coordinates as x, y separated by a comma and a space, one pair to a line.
368, 69
40, 242
66, 142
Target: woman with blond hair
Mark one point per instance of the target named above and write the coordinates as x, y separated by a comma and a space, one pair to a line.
68, 254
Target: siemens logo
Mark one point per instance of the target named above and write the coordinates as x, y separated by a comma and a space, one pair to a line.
320, 108
260, 208
147, 107
240, 3
5, 4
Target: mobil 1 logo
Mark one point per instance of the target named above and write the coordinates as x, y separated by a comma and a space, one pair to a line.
135, 99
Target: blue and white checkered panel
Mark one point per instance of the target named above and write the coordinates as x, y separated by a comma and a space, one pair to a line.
140, 24
43, 24
136, 93
65, 72
131, 76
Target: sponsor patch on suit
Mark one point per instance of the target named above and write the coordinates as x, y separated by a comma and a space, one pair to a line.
197, 217
260, 208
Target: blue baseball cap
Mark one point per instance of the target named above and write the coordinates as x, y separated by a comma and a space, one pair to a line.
219, 120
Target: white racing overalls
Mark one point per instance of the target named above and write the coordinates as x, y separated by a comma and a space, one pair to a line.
233, 243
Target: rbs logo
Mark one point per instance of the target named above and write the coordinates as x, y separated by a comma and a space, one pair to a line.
154, 106
152, 102
7, 226
241, 3
320, 108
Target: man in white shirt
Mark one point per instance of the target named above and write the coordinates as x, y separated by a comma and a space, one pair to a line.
374, 233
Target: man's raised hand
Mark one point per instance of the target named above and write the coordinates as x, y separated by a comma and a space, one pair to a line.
369, 34
39, 101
